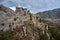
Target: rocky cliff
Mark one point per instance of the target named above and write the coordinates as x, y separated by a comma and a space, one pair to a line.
21, 24
10, 17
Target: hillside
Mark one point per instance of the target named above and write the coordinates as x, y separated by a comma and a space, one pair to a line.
53, 14
8, 16
21, 24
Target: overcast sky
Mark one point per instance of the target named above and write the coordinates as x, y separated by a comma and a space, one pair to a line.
33, 5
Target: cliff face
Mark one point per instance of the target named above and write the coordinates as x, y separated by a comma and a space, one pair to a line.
10, 17
21, 24
5, 15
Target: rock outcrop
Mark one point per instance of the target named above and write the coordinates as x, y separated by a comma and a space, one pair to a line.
10, 17
22, 24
